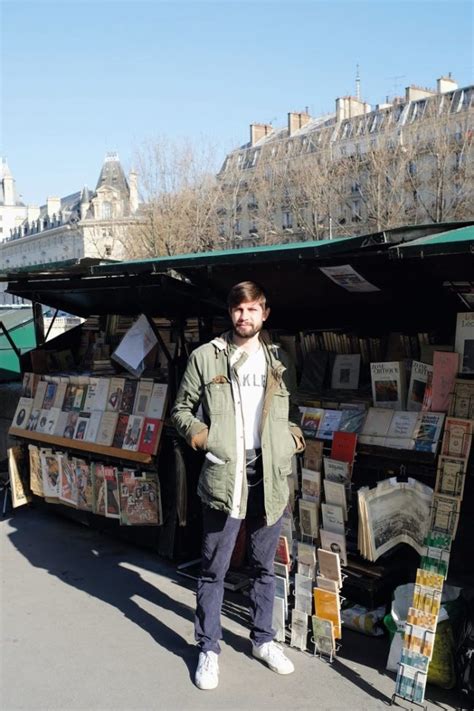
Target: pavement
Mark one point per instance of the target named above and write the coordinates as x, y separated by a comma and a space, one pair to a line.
90, 622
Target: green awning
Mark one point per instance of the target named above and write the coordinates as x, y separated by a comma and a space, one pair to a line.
460, 240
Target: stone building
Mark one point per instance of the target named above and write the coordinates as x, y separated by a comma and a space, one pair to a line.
88, 223
357, 170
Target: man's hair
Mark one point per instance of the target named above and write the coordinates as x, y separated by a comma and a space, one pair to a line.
246, 291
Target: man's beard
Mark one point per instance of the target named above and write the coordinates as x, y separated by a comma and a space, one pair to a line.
246, 332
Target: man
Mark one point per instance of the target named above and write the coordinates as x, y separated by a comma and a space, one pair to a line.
244, 386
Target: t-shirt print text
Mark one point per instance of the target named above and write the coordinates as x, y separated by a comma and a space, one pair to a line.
253, 380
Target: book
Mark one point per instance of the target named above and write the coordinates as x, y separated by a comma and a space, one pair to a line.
464, 341
108, 424
60, 395
345, 372
427, 431
308, 511
49, 395
60, 423
52, 419
128, 397
120, 430
299, 629
140, 499
418, 639
29, 384
81, 425
457, 438
68, 482
33, 419
70, 426
282, 554
158, 401
133, 432
100, 396
112, 494
91, 433
410, 683
22, 412
98, 488
19, 476
352, 420
306, 555
334, 542
39, 395
303, 593
88, 405
388, 384
450, 476
323, 635
462, 402
278, 619
422, 618
413, 659
445, 369
427, 599
326, 583
343, 446
143, 398
400, 432
333, 518
313, 455
84, 484
416, 389
337, 471
445, 514
335, 493
281, 591
429, 580
42, 420
327, 606
330, 565
310, 484
311, 420
50, 473
329, 424
114, 399
282, 570
376, 426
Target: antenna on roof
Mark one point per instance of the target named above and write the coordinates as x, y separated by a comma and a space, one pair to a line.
357, 82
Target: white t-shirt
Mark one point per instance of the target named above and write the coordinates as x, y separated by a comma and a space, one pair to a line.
252, 380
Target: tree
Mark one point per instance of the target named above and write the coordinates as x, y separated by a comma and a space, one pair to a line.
179, 200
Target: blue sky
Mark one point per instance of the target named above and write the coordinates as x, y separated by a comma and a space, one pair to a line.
80, 79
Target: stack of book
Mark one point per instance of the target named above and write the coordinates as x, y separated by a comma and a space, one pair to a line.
420, 628
114, 412
127, 494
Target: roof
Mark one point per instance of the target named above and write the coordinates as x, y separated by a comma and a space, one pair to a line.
112, 175
459, 240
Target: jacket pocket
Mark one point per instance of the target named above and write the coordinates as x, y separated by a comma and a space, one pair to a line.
213, 481
216, 395
281, 404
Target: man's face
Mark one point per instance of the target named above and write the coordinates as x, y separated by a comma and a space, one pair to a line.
248, 317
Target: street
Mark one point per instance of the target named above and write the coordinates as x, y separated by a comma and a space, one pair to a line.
91, 622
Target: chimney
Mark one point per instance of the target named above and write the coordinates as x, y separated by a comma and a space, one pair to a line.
414, 93
258, 131
445, 84
8, 184
33, 213
349, 106
133, 184
297, 120
53, 206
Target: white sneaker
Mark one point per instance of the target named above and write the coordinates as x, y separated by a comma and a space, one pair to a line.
207, 672
274, 657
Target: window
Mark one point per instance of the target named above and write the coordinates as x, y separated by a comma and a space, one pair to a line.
106, 210
412, 168
287, 220
237, 227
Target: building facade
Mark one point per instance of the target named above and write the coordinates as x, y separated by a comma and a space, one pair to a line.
84, 224
358, 170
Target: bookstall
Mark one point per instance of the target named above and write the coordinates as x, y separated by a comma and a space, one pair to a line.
381, 331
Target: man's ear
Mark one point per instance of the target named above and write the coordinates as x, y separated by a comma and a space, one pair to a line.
266, 313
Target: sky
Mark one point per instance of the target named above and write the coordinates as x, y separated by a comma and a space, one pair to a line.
80, 79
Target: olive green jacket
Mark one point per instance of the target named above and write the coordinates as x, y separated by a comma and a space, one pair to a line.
208, 380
